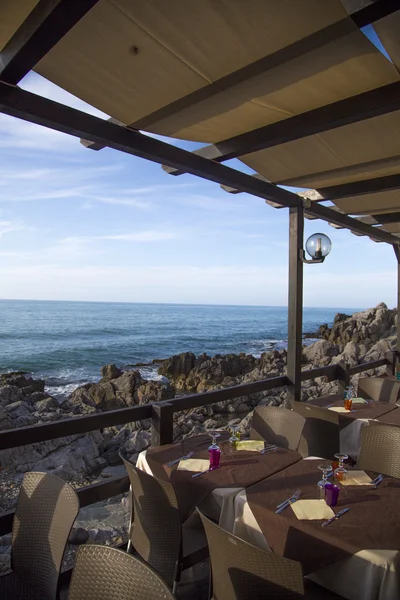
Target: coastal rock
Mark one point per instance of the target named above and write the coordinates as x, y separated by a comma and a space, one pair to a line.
180, 364
317, 352
110, 372
154, 391
10, 394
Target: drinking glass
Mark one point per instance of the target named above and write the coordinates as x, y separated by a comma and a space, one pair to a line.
341, 473
331, 494
235, 435
214, 450
348, 395
325, 468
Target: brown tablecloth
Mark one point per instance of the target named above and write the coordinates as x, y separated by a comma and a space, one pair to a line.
392, 418
371, 523
373, 410
238, 469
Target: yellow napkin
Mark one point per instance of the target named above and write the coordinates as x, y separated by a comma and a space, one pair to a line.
339, 409
194, 464
359, 401
312, 510
253, 445
357, 478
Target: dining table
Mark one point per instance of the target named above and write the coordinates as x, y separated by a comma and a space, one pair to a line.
352, 421
356, 556
214, 490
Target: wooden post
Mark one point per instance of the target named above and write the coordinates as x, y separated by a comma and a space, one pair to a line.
162, 424
343, 375
295, 304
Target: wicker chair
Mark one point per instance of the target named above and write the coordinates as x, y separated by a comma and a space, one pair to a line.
321, 433
379, 450
379, 389
46, 510
243, 571
278, 426
103, 573
158, 533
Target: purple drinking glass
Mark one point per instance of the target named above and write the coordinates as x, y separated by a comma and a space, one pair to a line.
215, 455
331, 494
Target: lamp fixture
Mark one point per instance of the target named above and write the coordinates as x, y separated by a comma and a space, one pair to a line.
318, 247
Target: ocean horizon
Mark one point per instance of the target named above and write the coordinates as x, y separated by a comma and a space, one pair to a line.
66, 342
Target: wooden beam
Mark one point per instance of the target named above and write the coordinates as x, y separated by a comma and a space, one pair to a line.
360, 188
357, 108
295, 304
49, 21
42, 111
384, 219
378, 9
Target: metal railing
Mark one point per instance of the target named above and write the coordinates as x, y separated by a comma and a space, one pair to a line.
161, 415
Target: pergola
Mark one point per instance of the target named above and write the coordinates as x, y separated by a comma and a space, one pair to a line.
294, 89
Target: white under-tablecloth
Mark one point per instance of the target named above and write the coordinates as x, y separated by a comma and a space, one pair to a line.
350, 437
368, 575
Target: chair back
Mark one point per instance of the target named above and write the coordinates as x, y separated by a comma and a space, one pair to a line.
156, 529
321, 433
46, 510
243, 571
380, 450
104, 573
379, 389
277, 425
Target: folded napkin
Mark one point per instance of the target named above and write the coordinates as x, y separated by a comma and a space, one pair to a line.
312, 510
359, 401
357, 478
339, 409
253, 445
194, 464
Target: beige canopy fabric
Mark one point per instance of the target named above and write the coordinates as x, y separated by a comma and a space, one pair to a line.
187, 69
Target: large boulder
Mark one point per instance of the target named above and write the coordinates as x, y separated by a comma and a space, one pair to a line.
177, 365
110, 372
154, 391
317, 353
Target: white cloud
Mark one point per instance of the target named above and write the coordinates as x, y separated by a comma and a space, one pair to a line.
10, 227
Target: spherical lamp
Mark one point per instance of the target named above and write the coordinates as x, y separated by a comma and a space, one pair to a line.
318, 246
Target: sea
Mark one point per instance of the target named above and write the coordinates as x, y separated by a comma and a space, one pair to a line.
66, 343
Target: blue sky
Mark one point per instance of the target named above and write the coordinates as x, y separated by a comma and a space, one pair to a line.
82, 225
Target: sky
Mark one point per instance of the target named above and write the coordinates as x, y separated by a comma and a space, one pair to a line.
104, 226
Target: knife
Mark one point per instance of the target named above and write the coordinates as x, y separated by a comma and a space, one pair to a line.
340, 513
268, 449
202, 472
173, 462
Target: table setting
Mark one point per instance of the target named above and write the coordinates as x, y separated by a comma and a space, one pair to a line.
353, 414
343, 528
204, 471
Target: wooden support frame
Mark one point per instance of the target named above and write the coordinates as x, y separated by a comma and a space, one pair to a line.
397, 253
42, 111
361, 107
295, 304
44, 27
162, 423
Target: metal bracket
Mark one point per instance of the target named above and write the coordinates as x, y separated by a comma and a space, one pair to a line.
310, 261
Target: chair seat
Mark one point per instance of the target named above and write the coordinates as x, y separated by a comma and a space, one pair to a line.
193, 537
313, 591
14, 587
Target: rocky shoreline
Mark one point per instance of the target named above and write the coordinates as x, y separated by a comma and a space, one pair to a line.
86, 458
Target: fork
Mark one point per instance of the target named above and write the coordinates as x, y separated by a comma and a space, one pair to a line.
286, 503
173, 462
202, 472
377, 480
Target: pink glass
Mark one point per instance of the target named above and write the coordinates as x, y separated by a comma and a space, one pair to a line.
331, 494
215, 455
